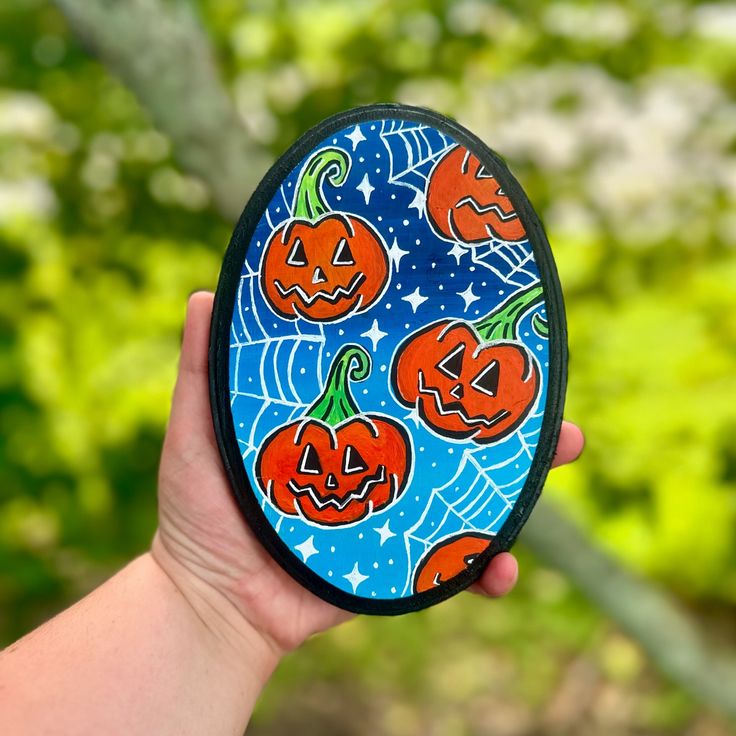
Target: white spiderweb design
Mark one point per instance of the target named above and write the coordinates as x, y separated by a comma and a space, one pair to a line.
479, 497
413, 150
278, 368
263, 366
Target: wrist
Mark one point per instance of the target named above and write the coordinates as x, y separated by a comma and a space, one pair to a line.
233, 641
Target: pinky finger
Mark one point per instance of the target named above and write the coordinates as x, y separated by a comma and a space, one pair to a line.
499, 577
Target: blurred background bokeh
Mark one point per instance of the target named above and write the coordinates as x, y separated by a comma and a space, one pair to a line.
130, 135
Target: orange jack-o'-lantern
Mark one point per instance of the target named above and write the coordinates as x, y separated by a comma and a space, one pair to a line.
323, 265
448, 559
465, 201
336, 465
470, 380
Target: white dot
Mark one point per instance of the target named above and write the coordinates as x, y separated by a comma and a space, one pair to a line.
332, 549
365, 391
390, 229
450, 450
380, 218
390, 562
388, 305
539, 347
378, 155
393, 196
302, 370
375, 566
329, 573
393, 590
383, 368
421, 449
405, 222
241, 425
361, 159
383, 403
417, 242
441, 287
360, 536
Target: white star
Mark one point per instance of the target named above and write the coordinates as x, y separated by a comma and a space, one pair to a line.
384, 532
366, 188
458, 252
355, 577
418, 202
356, 136
468, 296
415, 299
374, 334
306, 549
395, 254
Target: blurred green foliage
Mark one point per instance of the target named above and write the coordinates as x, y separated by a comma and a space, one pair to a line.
620, 121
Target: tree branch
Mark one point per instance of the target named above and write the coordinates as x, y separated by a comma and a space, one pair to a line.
159, 50
162, 54
665, 632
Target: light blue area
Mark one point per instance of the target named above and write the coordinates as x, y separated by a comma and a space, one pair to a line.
277, 366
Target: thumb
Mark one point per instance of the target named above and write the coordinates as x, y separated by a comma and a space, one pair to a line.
190, 407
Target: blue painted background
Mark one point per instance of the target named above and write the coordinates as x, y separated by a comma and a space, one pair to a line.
277, 366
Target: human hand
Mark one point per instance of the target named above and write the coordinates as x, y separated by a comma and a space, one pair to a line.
210, 553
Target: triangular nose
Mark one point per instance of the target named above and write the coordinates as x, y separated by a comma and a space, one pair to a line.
318, 277
458, 392
331, 482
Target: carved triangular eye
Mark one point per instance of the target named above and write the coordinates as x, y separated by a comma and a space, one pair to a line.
343, 256
482, 173
452, 364
309, 461
487, 380
298, 256
352, 462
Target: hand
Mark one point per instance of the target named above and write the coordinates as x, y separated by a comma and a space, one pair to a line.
206, 547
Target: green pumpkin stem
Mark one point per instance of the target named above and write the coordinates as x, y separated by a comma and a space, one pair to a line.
336, 402
309, 200
503, 322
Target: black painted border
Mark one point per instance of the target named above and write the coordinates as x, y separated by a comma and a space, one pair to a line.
219, 360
